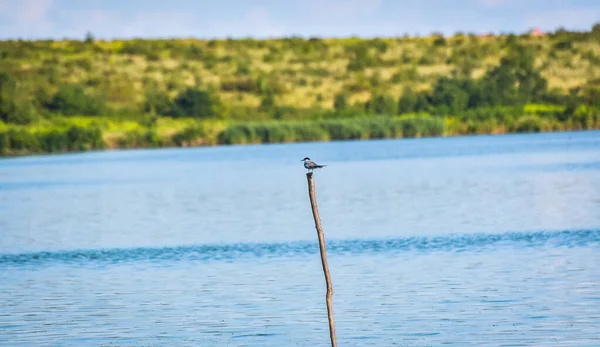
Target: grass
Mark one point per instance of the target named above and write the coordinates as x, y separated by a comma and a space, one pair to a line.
84, 133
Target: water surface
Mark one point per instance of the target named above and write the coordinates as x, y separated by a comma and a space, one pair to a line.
487, 241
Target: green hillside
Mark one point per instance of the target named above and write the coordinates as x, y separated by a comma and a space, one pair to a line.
75, 95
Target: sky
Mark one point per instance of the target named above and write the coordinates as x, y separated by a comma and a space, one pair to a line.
111, 19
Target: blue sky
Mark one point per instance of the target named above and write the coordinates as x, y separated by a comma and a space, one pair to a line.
36, 19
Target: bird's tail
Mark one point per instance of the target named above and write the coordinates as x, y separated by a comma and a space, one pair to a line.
320, 166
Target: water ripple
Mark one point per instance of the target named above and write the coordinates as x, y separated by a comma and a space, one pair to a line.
232, 252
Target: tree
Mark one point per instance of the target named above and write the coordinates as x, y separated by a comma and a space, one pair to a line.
157, 102
407, 102
89, 37
596, 31
439, 40
448, 93
340, 102
71, 100
360, 57
268, 101
381, 104
194, 102
515, 80
16, 101
422, 103
7, 89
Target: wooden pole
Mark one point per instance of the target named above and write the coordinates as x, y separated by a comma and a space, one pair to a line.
315, 211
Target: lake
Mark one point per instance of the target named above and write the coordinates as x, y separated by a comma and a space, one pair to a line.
466, 241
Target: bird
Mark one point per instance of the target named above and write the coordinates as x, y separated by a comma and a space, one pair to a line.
311, 165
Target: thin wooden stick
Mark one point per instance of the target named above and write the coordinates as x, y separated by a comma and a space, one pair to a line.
315, 211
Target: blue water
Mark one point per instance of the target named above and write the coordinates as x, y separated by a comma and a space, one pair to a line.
486, 241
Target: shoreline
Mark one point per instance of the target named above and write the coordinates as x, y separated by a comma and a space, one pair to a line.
121, 149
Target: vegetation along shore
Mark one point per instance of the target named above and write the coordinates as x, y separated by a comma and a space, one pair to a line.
76, 95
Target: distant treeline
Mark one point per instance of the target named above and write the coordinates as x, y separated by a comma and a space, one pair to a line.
58, 96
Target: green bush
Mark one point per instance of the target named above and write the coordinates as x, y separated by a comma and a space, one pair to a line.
74, 138
72, 100
188, 135
344, 129
586, 117
272, 132
84, 139
340, 102
157, 102
382, 104
16, 101
528, 124
305, 131
4, 142
55, 141
380, 128
237, 134
267, 103
140, 139
198, 103
334, 129
408, 101
22, 140
360, 57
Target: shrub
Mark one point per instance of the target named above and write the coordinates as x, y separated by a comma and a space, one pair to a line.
340, 102
84, 139
140, 138
421, 126
272, 132
237, 134
188, 135
16, 102
344, 129
55, 141
380, 128
382, 104
308, 132
528, 124
157, 102
267, 102
4, 143
408, 101
194, 102
71, 100
360, 57
23, 140
586, 117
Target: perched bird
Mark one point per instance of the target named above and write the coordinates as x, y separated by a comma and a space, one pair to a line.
311, 165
